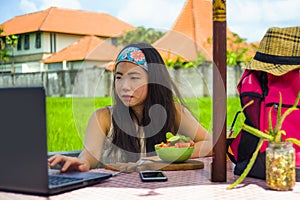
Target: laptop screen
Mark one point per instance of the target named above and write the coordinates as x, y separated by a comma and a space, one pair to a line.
23, 142
23, 146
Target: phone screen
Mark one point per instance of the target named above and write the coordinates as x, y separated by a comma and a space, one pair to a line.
155, 175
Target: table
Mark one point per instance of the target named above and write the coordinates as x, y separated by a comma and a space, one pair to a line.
189, 184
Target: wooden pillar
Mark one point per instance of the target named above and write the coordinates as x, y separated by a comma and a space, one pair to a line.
218, 170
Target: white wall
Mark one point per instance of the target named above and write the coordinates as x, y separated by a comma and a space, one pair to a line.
93, 82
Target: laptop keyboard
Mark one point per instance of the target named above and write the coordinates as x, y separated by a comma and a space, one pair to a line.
59, 180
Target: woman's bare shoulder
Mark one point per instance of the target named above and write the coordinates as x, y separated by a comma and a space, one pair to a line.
181, 110
179, 107
103, 112
103, 117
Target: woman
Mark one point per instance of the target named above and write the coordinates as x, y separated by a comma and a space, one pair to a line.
144, 111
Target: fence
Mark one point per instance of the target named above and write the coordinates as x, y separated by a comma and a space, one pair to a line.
191, 82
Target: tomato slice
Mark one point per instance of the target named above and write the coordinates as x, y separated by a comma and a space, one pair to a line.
192, 143
177, 145
182, 144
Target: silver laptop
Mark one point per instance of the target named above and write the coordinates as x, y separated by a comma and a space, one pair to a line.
23, 147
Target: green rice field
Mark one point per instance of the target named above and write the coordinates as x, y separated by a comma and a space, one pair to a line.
67, 118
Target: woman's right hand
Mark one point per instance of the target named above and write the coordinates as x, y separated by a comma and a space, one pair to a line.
69, 163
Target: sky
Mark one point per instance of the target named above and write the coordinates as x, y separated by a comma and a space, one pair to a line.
250, 19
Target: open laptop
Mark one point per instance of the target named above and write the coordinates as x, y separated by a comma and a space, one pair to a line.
23, 146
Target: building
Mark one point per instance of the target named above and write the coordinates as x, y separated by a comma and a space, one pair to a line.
193, 33
87, 52
45, 33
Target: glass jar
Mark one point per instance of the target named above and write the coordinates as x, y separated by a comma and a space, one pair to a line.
280, 166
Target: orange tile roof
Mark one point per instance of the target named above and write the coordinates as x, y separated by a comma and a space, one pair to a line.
195, 21
86, 48
69, 21
193, 31
175, 44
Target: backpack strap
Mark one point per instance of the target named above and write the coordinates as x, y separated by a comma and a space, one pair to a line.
233, 122
264, 83
229, 152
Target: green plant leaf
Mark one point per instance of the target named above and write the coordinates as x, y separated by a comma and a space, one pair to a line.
249, 166
280, 119
278, 125
297, 100
271, 131
257, 132
285, 114
293, 140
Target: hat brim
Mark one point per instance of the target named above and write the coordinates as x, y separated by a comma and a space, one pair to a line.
275, 69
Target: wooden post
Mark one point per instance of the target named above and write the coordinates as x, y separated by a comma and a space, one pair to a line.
218, 170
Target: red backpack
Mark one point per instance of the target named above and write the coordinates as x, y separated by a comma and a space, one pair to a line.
264, 89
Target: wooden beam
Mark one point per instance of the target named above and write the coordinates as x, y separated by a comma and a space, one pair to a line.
218, 170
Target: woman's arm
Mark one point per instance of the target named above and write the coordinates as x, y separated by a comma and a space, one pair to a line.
189, 126
97, 129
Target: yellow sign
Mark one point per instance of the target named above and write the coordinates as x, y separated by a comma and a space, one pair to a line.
219, 10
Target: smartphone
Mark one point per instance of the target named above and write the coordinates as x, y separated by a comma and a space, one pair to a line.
153, 175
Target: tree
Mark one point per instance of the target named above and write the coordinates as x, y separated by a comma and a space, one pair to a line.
180, 63
12, 41
140, 34
3, 51
238, 50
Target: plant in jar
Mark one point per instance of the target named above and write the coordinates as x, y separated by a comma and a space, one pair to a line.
280, 155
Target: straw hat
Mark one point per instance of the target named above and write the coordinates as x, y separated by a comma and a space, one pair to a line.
278, 52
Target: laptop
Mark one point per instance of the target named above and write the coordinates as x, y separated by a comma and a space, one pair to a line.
23, 147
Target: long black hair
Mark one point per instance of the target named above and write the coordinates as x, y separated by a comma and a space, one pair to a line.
158, 113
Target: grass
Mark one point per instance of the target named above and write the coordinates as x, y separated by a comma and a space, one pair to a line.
67, 118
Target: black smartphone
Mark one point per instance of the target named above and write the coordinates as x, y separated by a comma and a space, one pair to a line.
153, 175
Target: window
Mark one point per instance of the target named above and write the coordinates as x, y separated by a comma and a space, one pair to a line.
26, 41
19, 45
38, 40
52, 42
114, 41
55, 66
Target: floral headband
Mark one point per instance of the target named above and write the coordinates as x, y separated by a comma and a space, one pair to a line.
134, 55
